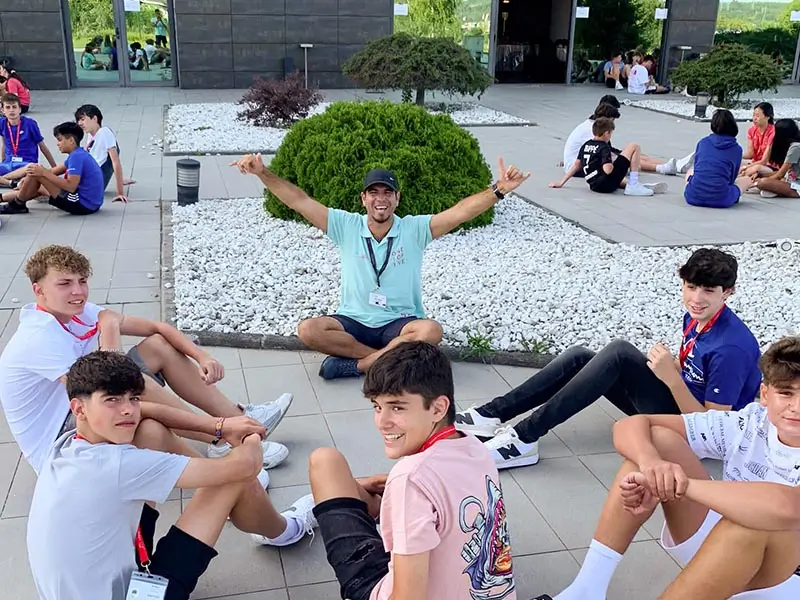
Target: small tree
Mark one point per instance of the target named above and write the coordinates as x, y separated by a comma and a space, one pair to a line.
727, 72
278, 102
403, 62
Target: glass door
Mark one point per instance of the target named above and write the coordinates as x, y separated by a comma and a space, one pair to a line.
120, 42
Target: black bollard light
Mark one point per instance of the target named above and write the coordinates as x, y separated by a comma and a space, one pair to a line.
188, 181
701, 105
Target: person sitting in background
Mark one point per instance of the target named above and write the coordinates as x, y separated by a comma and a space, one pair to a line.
716, 368
107, 44
138, 59
760, 137
714, 181
785, 151
640, 81
89, 62
102, 144
16, 85
613, 73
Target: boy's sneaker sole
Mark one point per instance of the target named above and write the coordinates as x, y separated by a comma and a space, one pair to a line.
522, 461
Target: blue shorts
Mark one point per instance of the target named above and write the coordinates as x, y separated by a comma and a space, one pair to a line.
374, 337
8, 166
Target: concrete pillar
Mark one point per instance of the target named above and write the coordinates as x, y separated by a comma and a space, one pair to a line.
689, 23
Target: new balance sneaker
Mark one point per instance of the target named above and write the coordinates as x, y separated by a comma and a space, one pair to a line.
270, 414
637, 189
471, 421
335, 367
273, 452
685, 163
658, 188
668, 168
300, 521
509, 451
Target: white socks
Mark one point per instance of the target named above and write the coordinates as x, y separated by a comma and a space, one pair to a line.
595, 575
661, 168
292, 533
633, 178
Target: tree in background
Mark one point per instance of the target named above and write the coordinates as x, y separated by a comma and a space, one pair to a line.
650, 30
611, 27
430, 18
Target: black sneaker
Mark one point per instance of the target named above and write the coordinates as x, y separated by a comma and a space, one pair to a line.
543, 597
14, 208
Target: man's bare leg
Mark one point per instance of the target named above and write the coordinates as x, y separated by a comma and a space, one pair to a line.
327, 336
734, 559
330, 477
617, 526
421, 330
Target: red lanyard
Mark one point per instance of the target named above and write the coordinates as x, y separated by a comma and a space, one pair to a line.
437, 437
141, 549
688, 345
14, 145
88, 335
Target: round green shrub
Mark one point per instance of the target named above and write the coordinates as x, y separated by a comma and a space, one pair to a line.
436, 162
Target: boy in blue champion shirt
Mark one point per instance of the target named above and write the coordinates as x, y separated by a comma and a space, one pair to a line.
20, 139
75, 187
716, 369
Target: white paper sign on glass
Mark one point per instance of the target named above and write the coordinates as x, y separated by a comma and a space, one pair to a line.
401, 10
582, 12
661, 14
794, 15
133, 6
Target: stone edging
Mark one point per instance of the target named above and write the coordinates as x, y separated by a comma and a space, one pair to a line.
279, 342
691, 119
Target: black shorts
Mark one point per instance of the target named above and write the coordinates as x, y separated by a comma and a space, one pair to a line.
161, 40
62, 202
354, 547
374, 337
23, 108
134, 355
607, 184
179, 557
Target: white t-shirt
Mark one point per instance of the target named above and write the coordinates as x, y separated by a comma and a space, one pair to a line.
39, 353
84, 515
747, 443
579, 136
638, 80
149, 50
100, 143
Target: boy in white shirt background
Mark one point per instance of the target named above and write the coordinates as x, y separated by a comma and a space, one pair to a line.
640, 81
63, 325
759, 444
102, 144
95, 494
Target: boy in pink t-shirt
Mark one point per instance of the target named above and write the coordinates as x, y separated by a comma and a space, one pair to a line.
443, 530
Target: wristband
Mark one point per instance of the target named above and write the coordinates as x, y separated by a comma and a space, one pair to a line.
218, 429
500, 195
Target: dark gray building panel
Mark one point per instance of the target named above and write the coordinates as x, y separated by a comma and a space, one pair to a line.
259, 7
312, 7
360, 30
258, 57
258, 29
691, 23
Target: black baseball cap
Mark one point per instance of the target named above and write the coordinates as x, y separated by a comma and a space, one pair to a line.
381, 177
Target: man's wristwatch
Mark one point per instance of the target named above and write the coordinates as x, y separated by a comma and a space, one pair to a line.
500, 195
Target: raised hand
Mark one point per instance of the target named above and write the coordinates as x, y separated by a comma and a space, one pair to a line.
250, 164
509, 178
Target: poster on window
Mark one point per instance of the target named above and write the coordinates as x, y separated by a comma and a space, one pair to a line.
133, 6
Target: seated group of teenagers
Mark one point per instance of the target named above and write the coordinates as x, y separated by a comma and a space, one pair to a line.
78, 185
716, 174
105, 430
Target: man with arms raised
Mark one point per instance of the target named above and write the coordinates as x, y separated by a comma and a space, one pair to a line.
443, 530
380, 302
63, 325
760, 443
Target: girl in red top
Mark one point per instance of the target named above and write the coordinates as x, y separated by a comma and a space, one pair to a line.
759, 142
14, 84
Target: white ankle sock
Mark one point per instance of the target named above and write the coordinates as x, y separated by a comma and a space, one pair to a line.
660, 168
595, 575
633, 178
292, 531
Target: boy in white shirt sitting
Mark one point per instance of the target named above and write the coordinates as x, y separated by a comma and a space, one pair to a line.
95, 495
102, 144
760, 443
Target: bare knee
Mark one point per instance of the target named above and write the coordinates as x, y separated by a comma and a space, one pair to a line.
154, 345
310, 330
632, 147
671, 445
322, 461
429, 331
152, 435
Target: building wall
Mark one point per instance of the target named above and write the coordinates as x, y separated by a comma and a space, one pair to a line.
226, 43
690, 23
32, 34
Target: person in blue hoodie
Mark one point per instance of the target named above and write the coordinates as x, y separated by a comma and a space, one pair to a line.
714, 181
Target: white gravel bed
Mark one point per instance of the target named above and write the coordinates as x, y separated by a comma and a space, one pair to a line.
785, 108
528, 281
214, 128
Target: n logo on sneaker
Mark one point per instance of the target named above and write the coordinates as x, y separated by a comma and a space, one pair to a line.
509, 451
466, 418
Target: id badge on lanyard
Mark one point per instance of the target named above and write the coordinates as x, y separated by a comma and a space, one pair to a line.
144, 586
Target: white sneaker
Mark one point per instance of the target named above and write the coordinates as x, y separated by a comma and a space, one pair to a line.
766, 194
302, 513
263, 478
270, 414
637, 190
685, 163
471, 421
658, 188
509, 451
618, 86
669, 168
273, 452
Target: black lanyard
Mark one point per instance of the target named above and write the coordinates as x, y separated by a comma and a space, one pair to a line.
375, 263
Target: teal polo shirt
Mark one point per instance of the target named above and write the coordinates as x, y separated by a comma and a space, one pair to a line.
401, 282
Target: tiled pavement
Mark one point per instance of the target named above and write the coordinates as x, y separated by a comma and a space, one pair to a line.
552, 506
